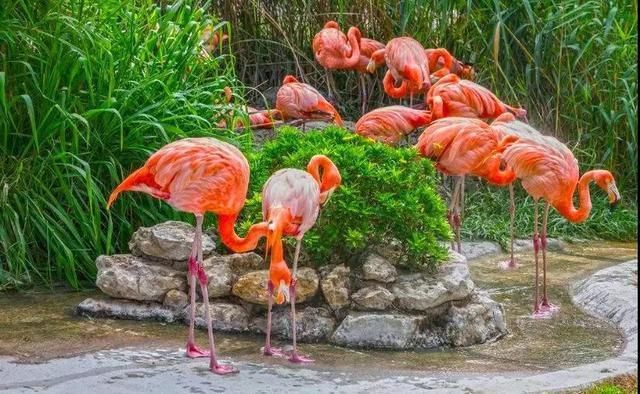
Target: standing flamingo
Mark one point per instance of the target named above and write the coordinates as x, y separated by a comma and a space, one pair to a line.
389, 124
452, 96
335, 51
199, 175
407, 64
297, 100
550, 171
465, 146
291, 201
442, 63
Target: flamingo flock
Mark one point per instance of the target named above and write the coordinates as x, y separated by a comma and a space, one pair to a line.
466, 131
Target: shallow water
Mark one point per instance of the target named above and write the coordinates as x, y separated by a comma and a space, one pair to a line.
39, 326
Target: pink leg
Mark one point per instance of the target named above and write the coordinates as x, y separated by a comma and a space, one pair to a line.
295, 357
267, 350
363, 92
537, 312
192, 350
545, 305
511, 263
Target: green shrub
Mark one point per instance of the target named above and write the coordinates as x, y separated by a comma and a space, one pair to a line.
385, 193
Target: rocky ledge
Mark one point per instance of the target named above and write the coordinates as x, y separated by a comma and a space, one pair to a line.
372, 304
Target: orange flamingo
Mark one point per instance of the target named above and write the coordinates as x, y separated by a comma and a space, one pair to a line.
199, 175
465, 146
407, 64
452, 96
335, 51
389, 124
442, 63
211, 40
291, 201
297, 100
549, 171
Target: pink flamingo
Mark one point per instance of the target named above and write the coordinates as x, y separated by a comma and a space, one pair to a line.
199, 175
390, 124
291, 201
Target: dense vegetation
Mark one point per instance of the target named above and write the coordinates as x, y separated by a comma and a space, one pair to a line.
88, 89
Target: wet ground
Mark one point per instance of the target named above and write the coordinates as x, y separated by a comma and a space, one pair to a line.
36, 327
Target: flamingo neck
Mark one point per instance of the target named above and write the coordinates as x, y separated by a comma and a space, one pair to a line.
568, 210
226, 230
354, 41
495, 175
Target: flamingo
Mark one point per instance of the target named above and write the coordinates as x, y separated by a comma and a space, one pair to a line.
210, 40
549, 171
407, 64
297, 100
452, 96
389, 124
335, 51
291, 201
465, 146
441, 63
199, 175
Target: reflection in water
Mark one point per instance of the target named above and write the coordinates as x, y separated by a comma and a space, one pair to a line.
37, 326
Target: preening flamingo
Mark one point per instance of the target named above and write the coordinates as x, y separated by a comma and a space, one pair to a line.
199, 175
297, 100
407, 64
549, 171
465, 146
390, 124
442, 62
291, 201
335, 51
452, 96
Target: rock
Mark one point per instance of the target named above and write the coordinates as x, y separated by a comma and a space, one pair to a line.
221, 276
168, 241
391, 250
373, 298
134, 278
312, 324
479, 321
335, 287
386, 331
252, 286
225, 317
421, 292
474, 249
520, 245
241, 263
176, 300
379, 269
125, 309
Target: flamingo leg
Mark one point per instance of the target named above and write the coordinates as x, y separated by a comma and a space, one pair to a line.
268, 350
295, 357
363, 92
452, 209
214, 366
536, 248
457, 215
192, 350
327, 74
511, 263
545, 304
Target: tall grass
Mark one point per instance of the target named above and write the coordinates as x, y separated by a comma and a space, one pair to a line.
572, 64
88, 90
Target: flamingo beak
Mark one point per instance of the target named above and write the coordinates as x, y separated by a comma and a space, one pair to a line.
283, 289
613, 194
326, 196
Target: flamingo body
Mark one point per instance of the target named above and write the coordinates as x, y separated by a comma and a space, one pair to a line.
389, 124
296, 100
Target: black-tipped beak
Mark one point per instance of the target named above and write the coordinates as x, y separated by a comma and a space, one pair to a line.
614, 204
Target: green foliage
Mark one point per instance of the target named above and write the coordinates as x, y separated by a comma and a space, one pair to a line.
385, 193
572, 64
88, 89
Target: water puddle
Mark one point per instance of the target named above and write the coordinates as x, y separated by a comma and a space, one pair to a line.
38, 326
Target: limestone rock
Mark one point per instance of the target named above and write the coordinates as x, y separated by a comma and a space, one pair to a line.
241, 263
479, 321
312, 324
520, 245
134, 278
252, 286
388, 331
168, 241
335, 287
176, 299
373, 298
379, 269
392, 250
422, 292
221, 276
225, 317
474, 249
125, 309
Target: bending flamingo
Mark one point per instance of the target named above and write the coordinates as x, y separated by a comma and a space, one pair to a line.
199, 175
442, 63
549, 171
452, 96
291, 201
297, 100
407, 64
465, 146
335, 51
390, 124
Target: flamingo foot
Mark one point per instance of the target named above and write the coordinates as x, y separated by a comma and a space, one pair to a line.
219, 369
194, 351
540, 313
508, 265
298, 359
545, 305
272, 351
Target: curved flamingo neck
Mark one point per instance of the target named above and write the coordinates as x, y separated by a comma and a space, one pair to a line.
566, 207
495, 175
354, 37
328, 179
228, 236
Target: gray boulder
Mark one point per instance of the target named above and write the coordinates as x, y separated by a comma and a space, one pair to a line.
125, 309
373, 298
312, 324
385, 331
479, 321
336, 287
168, 241
176, 300
225, 317
134, 278
377, 268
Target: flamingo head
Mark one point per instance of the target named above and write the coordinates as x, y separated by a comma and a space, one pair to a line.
468, 72
289, 79
329, 179
605, 181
